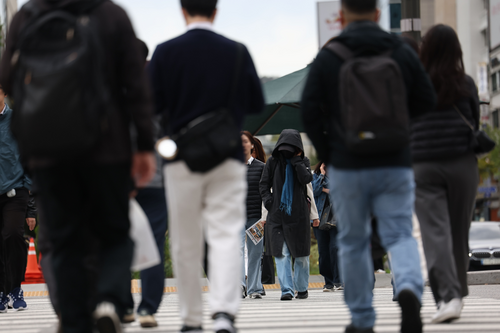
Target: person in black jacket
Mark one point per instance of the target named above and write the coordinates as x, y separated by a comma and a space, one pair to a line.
446, 171
99, 181
253, 287
287, 173
192, 75
378, 184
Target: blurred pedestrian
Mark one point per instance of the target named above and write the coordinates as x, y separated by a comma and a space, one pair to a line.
14, 197
152, 200
446, 171
364, 140
99, 176
327, 239
202, 77
287, 174
253, 284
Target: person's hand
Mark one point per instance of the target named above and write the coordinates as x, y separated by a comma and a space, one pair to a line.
327, 191
322, 169
263, 222
316, 223
31, 222
143, 168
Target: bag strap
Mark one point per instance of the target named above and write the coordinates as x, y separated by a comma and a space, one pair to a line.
236, 75
340, 49
465, 119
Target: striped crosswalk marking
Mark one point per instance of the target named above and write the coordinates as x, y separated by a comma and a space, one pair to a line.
320, 313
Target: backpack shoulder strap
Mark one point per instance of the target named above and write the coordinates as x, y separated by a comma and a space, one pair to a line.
340, 49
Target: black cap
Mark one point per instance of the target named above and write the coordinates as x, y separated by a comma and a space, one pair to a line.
286, 147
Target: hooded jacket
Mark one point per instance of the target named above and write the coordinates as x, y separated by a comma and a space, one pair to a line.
125, 76
294, 229
321, 101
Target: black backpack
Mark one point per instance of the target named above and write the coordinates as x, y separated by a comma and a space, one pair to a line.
373, 104
60, 94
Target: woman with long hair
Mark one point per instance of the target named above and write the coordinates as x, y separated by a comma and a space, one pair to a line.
446, 172
327, 239
255, 157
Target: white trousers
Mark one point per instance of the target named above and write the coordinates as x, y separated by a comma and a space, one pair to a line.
208, 206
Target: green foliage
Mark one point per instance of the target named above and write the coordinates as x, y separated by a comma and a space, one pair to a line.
489, 165
314, 256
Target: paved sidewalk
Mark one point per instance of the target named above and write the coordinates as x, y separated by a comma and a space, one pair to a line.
320, 313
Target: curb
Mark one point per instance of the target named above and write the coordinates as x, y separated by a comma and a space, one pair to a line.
483, 277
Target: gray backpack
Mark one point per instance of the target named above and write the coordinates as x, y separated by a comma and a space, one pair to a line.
373, 104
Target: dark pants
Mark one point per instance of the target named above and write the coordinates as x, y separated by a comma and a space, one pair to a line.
328, 262
153, 202
76, 201
445, 195
13, 249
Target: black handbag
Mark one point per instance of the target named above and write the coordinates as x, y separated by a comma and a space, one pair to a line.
327, 220
213, 137
481, 142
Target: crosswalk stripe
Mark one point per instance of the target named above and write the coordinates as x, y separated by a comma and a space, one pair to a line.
321, 313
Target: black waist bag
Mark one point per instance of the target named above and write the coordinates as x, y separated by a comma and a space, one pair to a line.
213, 137
209, 141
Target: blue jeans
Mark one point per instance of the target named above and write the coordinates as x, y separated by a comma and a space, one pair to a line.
154, 204
300, 281
328, 261
388, 194
254, 275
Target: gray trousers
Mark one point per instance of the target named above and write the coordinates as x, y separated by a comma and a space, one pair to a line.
445, 196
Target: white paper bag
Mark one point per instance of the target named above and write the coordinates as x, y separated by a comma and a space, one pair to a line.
145, 250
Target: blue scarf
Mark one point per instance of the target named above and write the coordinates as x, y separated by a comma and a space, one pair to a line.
287, 192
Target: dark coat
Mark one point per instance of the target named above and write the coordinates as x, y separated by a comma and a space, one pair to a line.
193, 75
321, 100
442, 133
294, 229
125, 75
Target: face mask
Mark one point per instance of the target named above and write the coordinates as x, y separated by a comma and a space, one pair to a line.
287, 154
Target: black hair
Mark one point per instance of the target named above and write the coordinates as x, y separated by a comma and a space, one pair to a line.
199, 7
360, 6
144, 49
441, 55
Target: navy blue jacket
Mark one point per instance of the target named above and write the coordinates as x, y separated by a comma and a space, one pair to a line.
11, 171
192, 75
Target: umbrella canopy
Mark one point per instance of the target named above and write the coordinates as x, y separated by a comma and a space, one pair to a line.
282, 105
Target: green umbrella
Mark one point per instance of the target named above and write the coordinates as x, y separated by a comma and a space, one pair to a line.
282, 105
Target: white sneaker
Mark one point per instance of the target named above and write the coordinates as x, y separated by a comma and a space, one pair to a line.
448, 311
107, 320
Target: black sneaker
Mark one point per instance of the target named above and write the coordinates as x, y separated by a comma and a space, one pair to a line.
263, 293
302, 295
286, 297
243, 291
192, 329
410, 312
352, 329
223, 323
